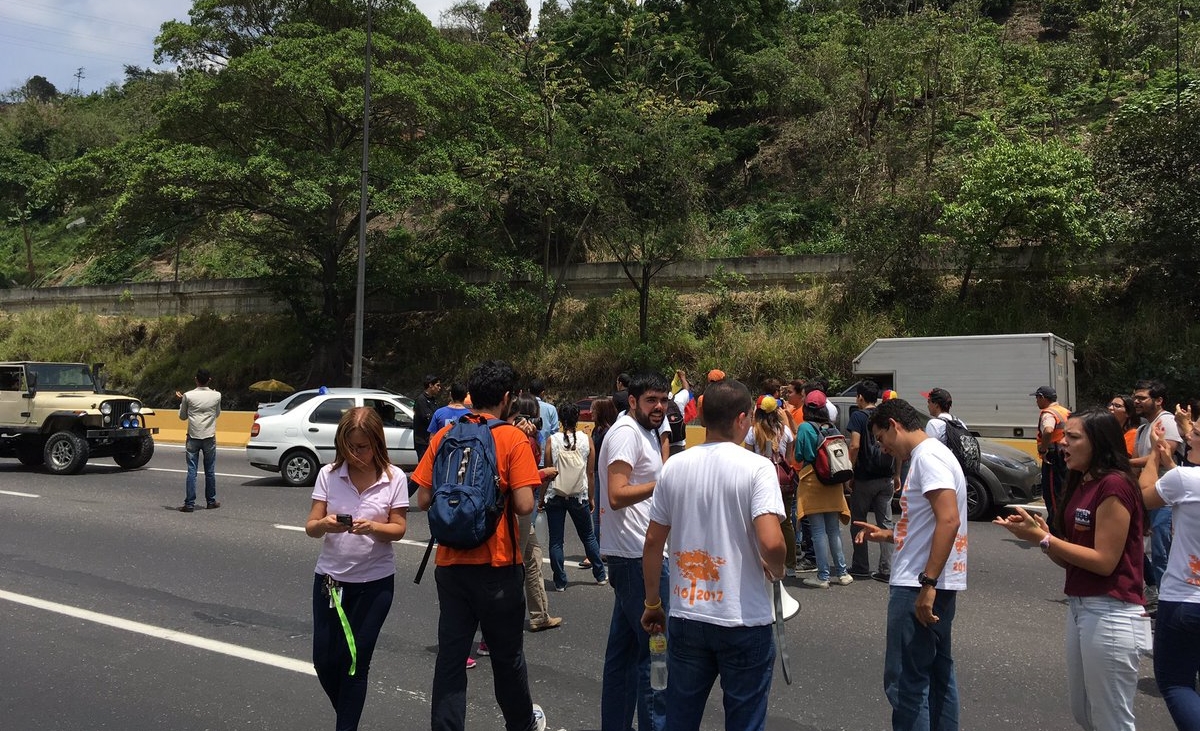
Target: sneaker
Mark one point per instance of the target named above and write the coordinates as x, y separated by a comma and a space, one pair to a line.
559, 588
187, 509
844, 580
602, 582
585, 564
550, 623
539, 718
483, 648
804, 566
860, 574
815, 583
214, 505
471, 662
880, 576
790, 573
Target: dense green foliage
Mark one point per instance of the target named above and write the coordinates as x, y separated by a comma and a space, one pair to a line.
952, 148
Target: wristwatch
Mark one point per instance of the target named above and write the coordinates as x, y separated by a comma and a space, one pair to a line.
924, 580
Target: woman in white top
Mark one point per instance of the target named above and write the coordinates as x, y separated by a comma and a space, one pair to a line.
1177, 634
572, 492
359, 508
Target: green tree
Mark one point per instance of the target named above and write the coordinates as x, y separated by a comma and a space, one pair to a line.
1020, 195
261, 145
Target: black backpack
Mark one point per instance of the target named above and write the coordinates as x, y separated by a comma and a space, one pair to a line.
962, 444
872, 462
676, 422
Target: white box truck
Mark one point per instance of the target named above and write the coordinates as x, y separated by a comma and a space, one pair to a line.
989, 377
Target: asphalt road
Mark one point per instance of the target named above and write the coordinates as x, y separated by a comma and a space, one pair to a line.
202, 621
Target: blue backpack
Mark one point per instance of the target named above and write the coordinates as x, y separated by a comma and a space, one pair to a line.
467, 502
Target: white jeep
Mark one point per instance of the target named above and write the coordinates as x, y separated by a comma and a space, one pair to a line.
57, 415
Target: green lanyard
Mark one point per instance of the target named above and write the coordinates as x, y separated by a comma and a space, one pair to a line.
335, 597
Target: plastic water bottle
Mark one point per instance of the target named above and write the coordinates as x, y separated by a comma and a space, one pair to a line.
658, 661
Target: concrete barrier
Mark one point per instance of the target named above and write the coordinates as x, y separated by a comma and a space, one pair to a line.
233, 427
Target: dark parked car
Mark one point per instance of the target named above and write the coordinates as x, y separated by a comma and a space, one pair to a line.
1006, 474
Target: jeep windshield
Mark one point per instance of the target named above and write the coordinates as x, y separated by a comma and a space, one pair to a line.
61, 377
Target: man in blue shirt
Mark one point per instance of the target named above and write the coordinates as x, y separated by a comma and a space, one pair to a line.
549, 413
449, 413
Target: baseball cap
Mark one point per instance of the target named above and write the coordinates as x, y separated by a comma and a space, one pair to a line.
939, 396
889, 394
815, 398
767, 403
1046, 392
716, 374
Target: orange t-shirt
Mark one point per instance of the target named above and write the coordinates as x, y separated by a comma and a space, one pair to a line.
517, 467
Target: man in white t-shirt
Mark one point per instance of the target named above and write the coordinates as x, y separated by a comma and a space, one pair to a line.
722, 507
929, 568
938, 403
1148, 399
627, 471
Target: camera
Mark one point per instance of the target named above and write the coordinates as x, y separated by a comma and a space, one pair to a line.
345, 519
535, 420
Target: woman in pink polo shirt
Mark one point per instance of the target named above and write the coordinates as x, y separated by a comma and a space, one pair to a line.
359, 506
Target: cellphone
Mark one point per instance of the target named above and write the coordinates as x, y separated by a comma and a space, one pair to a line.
345, 519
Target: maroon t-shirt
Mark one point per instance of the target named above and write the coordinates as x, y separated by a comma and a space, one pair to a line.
1125, 582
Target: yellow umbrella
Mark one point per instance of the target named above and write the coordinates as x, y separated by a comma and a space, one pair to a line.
271, 386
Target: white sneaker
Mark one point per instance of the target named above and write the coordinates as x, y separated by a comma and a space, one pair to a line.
815, 583
539, 718
844, 580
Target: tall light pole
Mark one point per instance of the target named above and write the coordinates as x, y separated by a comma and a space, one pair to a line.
361, 280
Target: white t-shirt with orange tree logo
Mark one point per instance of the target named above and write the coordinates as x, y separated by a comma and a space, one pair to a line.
1180, 488
932, 466
710, 495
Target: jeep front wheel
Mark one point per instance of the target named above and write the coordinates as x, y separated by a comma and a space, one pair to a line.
65, 453
136, 454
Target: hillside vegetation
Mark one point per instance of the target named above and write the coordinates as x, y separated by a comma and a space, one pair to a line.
951, 133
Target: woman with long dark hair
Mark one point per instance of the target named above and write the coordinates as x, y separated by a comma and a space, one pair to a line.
573, 492
524, 413
1100, 519
1121, 407
604, 415
359, 508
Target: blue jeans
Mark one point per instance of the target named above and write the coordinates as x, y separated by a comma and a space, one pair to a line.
1160, 543
194, 447
743, 657
827, 543
626, 682
557, 509
1177, 661
366, 606
491, 599
918, 669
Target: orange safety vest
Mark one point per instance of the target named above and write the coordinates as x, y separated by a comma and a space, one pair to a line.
1061, 415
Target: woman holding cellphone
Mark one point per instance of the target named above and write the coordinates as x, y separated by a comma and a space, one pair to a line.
359, 508
1101, 519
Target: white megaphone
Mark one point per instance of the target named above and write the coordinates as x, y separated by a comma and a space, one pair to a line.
791, 607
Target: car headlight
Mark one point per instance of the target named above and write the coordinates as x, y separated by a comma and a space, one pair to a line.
135, 407
106, 408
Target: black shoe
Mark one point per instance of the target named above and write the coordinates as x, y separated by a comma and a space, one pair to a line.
804, 566
187, 509
214, 505
860, 574
880, 576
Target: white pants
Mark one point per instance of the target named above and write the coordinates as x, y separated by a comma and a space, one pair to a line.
1104, 637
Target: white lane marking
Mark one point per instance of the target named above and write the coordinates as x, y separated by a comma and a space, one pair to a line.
219, 474
203, 643
280, 526
18, 494
180, 446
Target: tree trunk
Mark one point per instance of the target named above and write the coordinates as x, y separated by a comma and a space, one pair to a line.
548, 316
966, 280
644, 305
28, 249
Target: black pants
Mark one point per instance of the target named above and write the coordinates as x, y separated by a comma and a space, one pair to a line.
366, 606
492, 599
1054, 481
